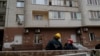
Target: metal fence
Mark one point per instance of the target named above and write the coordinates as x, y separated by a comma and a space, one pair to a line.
52, 53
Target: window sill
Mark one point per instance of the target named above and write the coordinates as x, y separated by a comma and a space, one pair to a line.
19, 7
41, 4
57, 19
92, 5
76, 19
95, 19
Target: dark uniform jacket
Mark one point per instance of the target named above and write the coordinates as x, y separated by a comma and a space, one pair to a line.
69, 47
54, 45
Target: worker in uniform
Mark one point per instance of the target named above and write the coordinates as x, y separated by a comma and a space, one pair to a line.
69, 45
54, 44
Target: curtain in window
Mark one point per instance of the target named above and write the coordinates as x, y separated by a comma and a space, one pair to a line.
57, 2
20, 4
78, 15
20, 18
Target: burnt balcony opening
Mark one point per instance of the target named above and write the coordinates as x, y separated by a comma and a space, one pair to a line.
2, 19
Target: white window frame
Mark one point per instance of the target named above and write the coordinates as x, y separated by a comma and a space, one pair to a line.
91, 37
38, 17
20, 4
57, 2
18, 39
41, 2
73, 37
20, 17
93, 2
76, 16
57, 15
37, 40
94, 14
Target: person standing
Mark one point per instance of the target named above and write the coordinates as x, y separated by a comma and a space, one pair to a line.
69, 45
54, 44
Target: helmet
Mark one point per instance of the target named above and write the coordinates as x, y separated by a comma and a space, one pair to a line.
58, 35
70, 40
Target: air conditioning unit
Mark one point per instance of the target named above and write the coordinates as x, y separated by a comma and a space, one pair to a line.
20, 22
26, 31
85, 29
37, 30
78, 31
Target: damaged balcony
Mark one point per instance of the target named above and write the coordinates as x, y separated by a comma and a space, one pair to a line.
2, 20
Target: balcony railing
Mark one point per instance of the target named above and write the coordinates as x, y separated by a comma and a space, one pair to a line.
52, 53
40, 23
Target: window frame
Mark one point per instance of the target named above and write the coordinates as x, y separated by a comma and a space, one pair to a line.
57, 15
93, 2
39, 17
57, 2
37, 38
22, 4
17, 37
94, 15
18, 19
91, 37
74, 15
46, 2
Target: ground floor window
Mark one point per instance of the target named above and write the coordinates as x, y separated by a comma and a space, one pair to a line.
17, 39
38, 39
92, 36
73, 37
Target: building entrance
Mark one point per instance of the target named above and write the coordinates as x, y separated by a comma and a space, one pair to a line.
1, 39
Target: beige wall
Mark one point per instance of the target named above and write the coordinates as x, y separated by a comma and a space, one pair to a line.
67, 22
11, 12
85, 11
29, 7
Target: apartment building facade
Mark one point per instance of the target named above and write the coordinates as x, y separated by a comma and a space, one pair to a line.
30, 24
